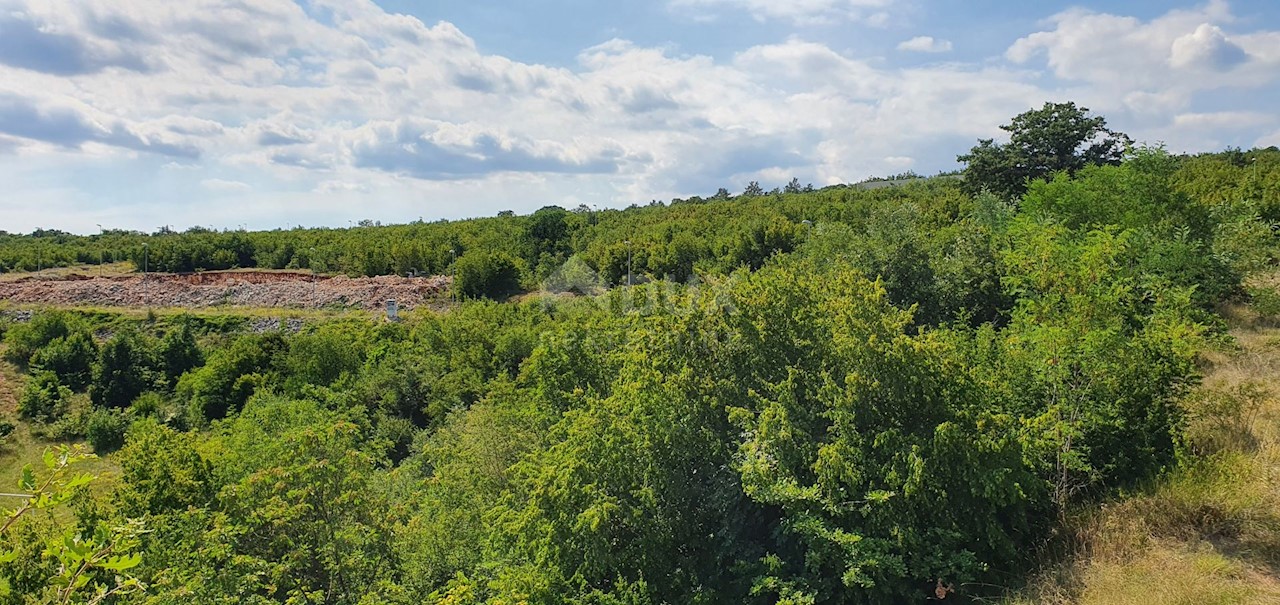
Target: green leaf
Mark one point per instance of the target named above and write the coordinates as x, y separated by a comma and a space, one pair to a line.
28, 480
879, 496
75, 547
121, 563
80, 480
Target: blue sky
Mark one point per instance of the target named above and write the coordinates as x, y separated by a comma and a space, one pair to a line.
274, 113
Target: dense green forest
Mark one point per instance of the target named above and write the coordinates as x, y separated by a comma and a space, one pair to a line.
838, 396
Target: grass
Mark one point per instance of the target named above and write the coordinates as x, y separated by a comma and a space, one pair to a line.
22, 447
11, 383
1209, 531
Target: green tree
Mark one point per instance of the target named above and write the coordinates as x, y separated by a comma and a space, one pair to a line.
1057, 137
161, 471
23, 341
231, 375
71, 357
548, 230
44, 398
178, 353
322, 357
481, 274
124, 370
303, 522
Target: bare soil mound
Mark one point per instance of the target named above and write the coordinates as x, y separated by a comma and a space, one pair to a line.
227, 288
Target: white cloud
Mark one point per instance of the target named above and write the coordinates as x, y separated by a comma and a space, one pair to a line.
925, 44
1153, 67
225, 186
333, 187
1206, 48
325, 108
1223, 120
804, 12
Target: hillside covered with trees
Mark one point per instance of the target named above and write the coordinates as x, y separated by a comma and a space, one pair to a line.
839, 396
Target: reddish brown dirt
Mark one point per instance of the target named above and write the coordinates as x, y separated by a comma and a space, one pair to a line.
234, 288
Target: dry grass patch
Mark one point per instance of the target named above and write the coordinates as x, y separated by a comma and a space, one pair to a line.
1208, 532
11, 383
1177, 573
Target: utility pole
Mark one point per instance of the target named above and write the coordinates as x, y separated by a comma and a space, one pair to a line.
102, 253
315, 277
146, 286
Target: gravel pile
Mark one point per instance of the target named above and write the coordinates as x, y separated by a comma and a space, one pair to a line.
240, 289
272, 324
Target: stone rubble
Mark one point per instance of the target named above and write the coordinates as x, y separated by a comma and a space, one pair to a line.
228, 288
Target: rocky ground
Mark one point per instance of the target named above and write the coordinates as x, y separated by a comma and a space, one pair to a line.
227, 288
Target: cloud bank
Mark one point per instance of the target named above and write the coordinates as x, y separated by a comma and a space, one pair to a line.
327, 104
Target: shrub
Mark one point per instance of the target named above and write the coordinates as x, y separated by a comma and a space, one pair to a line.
575, 276
162, 471
44, 398
68, 425
71, 357
1265, 301
147, 404
486, 275
397, 435
24, 340
105, 430
321, 358
178, 353
123, 372
231, 375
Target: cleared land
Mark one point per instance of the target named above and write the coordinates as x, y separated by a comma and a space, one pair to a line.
224, 288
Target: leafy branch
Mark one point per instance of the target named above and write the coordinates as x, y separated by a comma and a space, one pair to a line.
109, 549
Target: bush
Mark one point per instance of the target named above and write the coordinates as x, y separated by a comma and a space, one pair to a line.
123, 372
1265, 301
162, 471
71, 357
6, 428
73, 413
44, 399
486, 275
397, 435
105, 430
178, 353
321, 358
24, 340
231, 375
147, 404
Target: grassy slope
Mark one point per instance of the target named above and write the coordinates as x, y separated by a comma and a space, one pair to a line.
11, 382
1209, 532
22, 448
